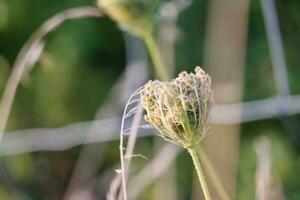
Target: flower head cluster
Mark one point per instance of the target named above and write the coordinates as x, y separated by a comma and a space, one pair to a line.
135, 16
180, 109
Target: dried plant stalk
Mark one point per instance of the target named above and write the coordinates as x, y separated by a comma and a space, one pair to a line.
29, 54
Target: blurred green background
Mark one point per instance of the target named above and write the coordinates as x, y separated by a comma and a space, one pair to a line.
83, 59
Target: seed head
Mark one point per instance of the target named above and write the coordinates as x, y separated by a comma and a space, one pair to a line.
180, 109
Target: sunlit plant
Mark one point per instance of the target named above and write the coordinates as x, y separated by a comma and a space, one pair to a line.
180, 111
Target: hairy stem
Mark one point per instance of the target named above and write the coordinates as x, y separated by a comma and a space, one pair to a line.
193, 153
212, 174
159, 66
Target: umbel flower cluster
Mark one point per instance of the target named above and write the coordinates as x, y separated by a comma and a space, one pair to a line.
180, 109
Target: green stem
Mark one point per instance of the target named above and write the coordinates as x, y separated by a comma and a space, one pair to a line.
193, 153
212, 174
159, 66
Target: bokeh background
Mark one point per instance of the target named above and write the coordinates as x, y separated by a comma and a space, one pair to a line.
80, 72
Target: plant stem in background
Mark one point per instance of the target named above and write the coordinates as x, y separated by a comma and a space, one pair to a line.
27, 56
193, 153
158, 64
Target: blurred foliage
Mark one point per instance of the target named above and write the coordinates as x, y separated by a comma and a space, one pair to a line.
82, 60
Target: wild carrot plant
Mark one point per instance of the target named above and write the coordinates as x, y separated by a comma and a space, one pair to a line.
180, 111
